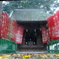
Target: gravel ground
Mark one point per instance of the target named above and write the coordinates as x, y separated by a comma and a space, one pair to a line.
29, 56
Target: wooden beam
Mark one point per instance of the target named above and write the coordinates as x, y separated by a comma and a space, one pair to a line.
32, 24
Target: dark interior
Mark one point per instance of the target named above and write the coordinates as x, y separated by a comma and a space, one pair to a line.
32, 38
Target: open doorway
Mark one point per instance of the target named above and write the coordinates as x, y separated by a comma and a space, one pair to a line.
32, 38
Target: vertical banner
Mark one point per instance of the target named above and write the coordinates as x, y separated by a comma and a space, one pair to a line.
4, 25
0, 27
56, 26
50, 25
53, 26
13, 30
19, 35
45, 35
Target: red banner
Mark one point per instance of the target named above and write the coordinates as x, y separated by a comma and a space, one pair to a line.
56, 27
53, 26
45, 35
4, 25
19, 35
13, 30
0, 27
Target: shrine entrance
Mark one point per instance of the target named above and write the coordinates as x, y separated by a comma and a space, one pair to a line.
32, 38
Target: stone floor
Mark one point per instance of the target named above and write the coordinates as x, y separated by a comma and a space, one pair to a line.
31, 52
